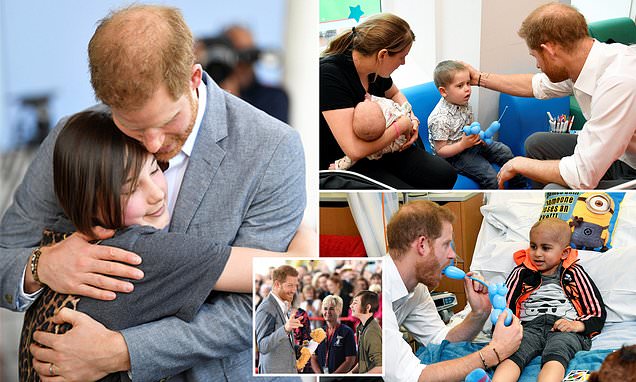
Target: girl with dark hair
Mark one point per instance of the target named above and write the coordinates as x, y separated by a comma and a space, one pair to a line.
105, 180
360, 62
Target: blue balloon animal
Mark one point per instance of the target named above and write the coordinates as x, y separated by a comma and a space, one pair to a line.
496, 293
486, 136
474, 128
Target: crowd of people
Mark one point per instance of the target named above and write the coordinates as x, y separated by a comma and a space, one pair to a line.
343, 297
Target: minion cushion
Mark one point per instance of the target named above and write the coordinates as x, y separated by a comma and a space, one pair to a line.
591, 216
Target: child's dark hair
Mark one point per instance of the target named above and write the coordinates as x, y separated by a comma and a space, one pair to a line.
559, 228
92, 161
618, 366
368, 298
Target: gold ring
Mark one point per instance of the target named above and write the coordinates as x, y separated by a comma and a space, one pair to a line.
51, 373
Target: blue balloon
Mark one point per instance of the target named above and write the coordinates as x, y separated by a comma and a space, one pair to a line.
492, 291
488, 141
475, 124
467, 130
497, 293
494, 126
453, 272
499, 302
508, 319
475, 129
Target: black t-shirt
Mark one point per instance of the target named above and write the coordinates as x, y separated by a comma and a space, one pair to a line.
340, 88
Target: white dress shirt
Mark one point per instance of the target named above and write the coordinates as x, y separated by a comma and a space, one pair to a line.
283, 305
179, 163
415, 311
606, 92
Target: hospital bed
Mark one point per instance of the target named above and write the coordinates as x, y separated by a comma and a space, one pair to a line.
508, 217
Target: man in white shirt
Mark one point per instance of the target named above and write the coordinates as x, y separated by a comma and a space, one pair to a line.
419, 237
602, 79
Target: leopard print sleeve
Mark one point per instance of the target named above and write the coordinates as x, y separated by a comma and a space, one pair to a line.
40, 317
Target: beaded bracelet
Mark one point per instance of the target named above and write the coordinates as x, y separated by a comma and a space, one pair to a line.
35, 258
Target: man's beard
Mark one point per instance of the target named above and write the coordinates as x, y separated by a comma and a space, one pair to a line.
557, 76
428, 272
555, 73
180, 139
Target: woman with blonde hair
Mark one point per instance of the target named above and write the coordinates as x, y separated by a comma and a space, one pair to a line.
358, 63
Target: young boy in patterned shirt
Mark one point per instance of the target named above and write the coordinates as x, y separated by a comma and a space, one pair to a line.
468, 154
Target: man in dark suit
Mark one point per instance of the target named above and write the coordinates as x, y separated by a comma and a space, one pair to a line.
275, 324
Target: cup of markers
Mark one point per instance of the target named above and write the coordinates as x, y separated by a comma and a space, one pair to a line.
560, 125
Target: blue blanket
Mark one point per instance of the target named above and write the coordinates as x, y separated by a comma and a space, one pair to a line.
584, 360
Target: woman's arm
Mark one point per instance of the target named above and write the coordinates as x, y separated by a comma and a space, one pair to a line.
346, 365
239, 264
396, 95
314, 365
340, 123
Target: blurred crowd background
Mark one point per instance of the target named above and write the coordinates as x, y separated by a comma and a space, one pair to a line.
318, 279
247, 45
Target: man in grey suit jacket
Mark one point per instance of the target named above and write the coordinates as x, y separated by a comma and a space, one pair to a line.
275, 324
236, 175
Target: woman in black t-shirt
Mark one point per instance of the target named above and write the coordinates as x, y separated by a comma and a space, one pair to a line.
359, 62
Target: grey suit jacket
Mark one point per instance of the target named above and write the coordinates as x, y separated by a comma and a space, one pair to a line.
244, 185
277, 355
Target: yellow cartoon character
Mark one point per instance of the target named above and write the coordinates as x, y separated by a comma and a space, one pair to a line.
590, 220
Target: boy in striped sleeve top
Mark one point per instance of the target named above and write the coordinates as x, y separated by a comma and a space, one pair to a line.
558, 304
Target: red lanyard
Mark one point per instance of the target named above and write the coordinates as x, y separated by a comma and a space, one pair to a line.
329, 338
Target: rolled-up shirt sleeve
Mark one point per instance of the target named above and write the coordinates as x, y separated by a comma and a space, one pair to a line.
605, 136
543, 88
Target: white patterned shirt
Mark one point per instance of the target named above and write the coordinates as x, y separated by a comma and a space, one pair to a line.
446, 122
